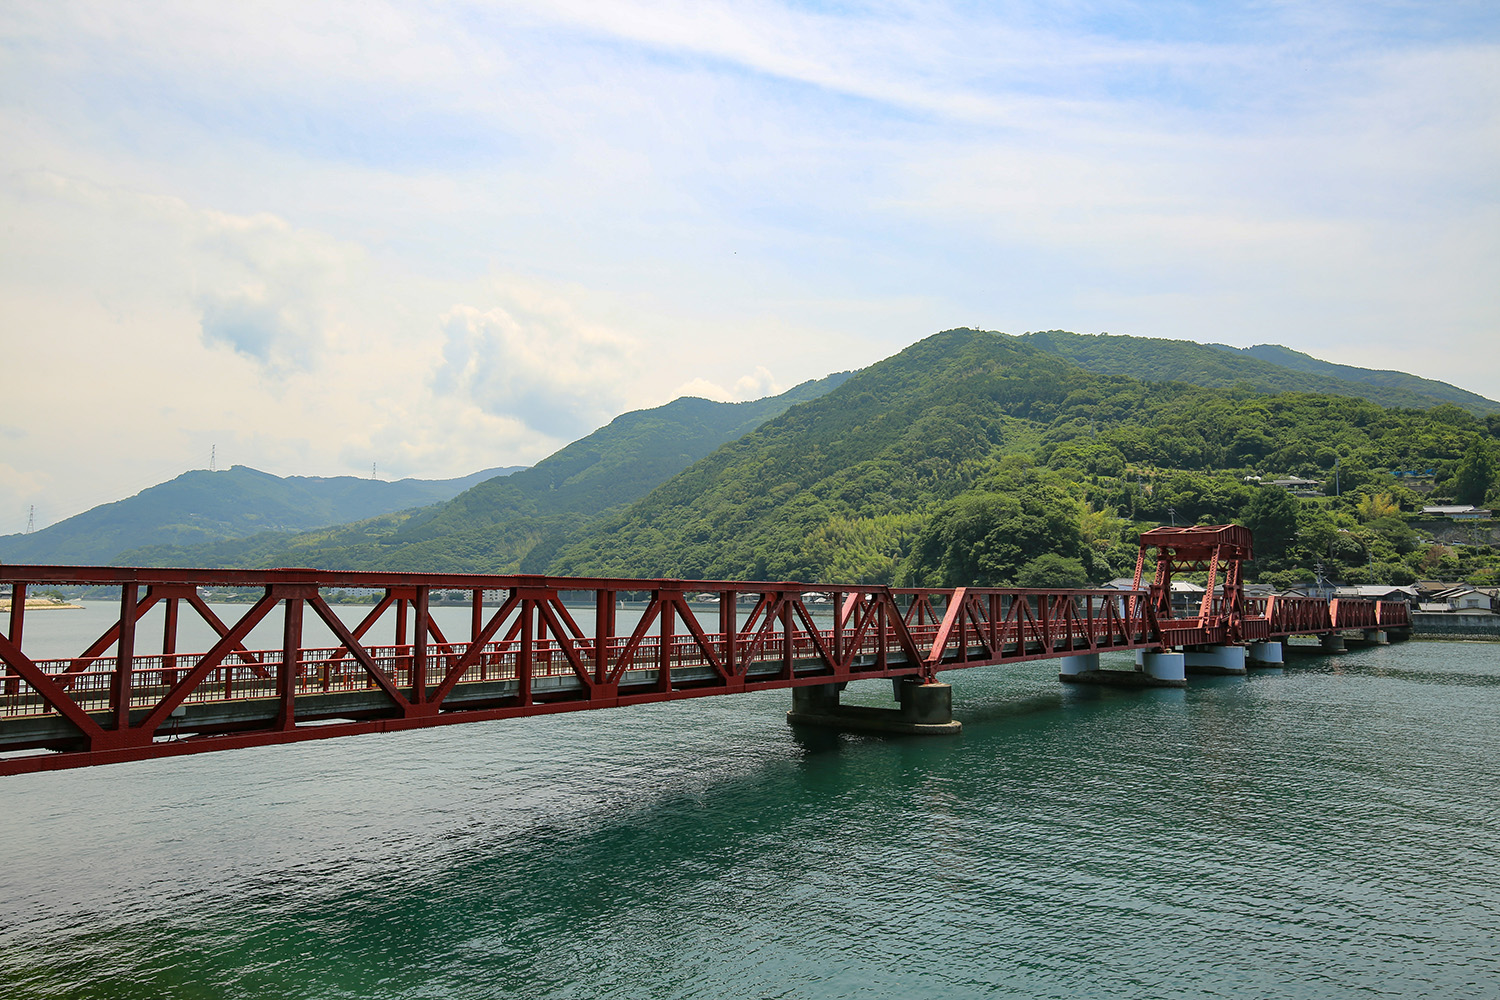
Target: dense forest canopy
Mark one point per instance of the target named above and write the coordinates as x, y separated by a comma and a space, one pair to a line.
1265, 368
970, 456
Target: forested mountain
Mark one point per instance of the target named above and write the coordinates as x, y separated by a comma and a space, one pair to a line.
1297, 361
516, 523
1266, 368
201, 506
970, 457
978, 458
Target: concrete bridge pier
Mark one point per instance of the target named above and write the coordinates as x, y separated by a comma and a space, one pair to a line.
1215, 660
925, 710
1331, 642
1083, 668
1265, 654
1070, 668
1167, 668
1374, 637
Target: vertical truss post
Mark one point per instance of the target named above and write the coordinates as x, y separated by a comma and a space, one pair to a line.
421, 611
124, 658
17, 623
291, 655
169, 642
476, 616
604, 630
664, 652
787, 624
525, 656
729, 631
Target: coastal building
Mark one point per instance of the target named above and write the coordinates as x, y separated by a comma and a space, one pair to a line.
1377, 592
1458, 512
1460, 600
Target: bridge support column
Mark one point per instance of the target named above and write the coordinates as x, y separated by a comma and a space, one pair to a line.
926, 710
1265, 654
1069, 667
1151, 671
1331, 642
1165, 667
1215, 660
1376, 637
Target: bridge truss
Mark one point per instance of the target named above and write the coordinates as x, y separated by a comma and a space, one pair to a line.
535, 645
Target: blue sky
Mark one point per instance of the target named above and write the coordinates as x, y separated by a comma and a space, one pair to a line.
444, 236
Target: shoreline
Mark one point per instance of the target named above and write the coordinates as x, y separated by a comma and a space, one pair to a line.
43, 604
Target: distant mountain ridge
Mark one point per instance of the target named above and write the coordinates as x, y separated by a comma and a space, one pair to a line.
1386, 378
516, 523
1266, 368
201, 507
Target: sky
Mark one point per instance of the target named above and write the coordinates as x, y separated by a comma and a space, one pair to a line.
428, 238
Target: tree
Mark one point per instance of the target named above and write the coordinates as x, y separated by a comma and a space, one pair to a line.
1374, 506
984, 537
1271, 517
1475, 473
1051, 570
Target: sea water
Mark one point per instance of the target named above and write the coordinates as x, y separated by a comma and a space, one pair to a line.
1324, 830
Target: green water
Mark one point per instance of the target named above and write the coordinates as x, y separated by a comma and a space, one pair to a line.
1325, 831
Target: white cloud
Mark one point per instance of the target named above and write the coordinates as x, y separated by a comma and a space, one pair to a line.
544, 367
756, 384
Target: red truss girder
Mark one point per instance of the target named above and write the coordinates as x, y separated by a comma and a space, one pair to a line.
1310, 615
526, 655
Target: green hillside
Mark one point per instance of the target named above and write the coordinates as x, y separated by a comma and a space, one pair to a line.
970, 456
516, 523
201, 507
1297, 361
1266, 369
864, 462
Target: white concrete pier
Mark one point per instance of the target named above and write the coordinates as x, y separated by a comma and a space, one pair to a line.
1221, 660
1265, 654
1072, 666
1163, 666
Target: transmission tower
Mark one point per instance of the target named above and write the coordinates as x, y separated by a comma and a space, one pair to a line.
31, 519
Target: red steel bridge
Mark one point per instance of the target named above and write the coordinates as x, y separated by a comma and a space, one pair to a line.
538, 645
